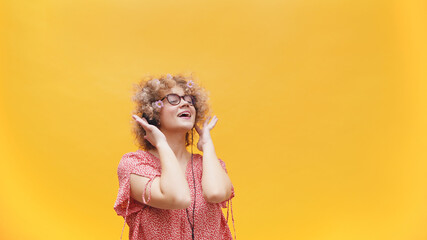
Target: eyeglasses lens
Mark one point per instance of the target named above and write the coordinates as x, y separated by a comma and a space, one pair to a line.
188, 99
173, 99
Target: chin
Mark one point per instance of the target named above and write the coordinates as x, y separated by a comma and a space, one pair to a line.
179, 125
185, 127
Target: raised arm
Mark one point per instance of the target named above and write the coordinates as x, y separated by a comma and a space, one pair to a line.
216, 184
170, 190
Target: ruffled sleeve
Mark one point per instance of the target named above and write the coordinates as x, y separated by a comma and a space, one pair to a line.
139, 163
224, 203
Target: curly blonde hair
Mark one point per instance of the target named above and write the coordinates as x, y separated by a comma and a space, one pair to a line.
151, 89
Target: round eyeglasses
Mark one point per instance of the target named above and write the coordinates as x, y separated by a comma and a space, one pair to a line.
175, 99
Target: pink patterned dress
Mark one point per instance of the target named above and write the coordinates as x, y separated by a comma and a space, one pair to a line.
146, 222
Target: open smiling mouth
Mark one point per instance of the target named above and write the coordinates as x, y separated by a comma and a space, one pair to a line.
185, 114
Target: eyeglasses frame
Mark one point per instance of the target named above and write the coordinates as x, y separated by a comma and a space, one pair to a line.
180, 97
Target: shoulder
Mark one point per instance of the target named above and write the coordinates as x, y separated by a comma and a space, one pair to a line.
139, 155
137, 158
139, 162
136, 154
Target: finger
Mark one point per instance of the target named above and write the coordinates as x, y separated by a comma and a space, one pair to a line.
135, 116
139, 120
213, 118
207, 121
213, 122
142, 121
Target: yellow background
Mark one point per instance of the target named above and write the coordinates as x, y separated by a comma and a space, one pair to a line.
321, 106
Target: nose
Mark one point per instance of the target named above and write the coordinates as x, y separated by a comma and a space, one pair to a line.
184, 103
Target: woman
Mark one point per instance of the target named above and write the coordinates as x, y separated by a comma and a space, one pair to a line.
165, 191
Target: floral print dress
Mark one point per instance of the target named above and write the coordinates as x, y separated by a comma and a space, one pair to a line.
146, 222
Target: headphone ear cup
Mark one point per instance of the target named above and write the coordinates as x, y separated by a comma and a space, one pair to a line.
151, 121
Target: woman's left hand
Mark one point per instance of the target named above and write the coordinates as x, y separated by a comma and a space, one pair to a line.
204, 134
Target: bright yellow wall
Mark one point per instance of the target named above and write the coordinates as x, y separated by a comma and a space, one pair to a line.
321, 106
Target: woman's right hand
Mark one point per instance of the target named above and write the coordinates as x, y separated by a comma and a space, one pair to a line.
152, 133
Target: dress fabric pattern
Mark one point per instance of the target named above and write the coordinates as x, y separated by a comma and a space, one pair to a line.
146, 222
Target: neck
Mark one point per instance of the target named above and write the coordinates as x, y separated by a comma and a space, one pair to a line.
176, 141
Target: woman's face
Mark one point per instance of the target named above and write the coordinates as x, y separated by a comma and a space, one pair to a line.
172, 117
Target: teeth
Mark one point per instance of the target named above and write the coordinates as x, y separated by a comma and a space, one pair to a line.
186, 114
